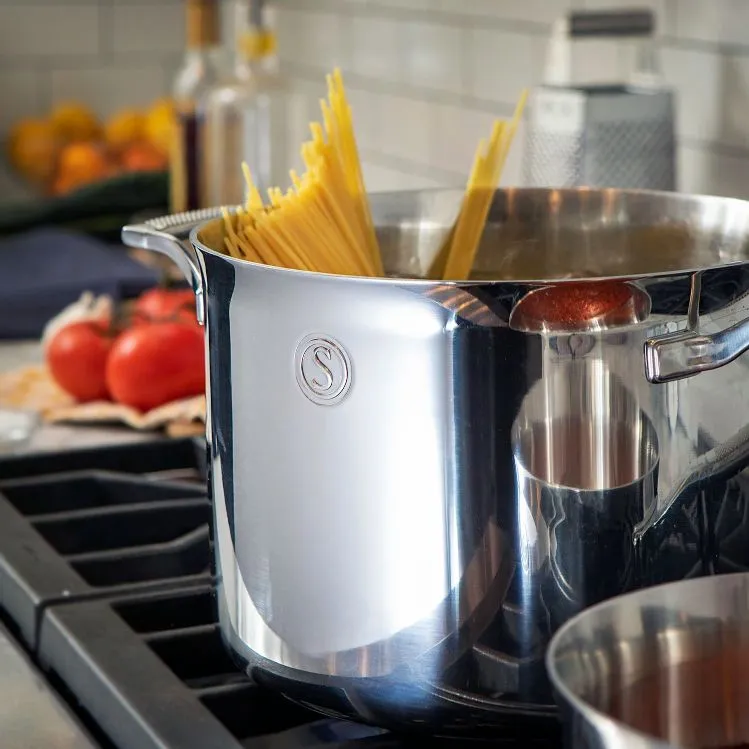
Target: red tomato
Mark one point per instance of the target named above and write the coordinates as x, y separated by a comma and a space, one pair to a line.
151, 365
165, 304
77, 359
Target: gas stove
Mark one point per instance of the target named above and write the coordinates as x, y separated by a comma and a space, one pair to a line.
105, 580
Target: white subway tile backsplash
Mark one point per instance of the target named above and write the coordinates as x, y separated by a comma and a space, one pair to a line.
733, 124
323, 40
380, 178
405, 128
152, 27
367, 110
713, 21
416, 69
710, 172
537, 11
403, 4
377, 46
49, 30
455, 136
110, 87
501, 64
313, 38
698, 80
21, 94
512, 174
433, 56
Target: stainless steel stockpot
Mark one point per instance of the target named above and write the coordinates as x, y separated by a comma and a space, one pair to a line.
415, 483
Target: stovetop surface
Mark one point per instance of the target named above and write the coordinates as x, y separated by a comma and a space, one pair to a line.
105, 579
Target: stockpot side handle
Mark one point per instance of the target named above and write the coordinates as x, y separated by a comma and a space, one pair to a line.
170, 235
675, 356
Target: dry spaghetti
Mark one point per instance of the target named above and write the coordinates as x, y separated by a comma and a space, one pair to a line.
323, 222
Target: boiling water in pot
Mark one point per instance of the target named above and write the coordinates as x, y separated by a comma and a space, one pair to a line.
507, 252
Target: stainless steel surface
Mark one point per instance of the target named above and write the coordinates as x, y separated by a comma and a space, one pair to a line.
693, 634
617, 133
362, 547
586, 465
601, 138
152, 235
31, 714
686, 353
635, 308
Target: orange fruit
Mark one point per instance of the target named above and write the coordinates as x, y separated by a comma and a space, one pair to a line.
33, 148
159, 127
64, 184
124, 128
74, 122
143, 157
81, 163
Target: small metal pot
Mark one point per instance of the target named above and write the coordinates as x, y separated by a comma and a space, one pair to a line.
412, 480
660, 668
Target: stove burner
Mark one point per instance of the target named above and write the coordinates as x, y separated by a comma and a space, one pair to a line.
106, 574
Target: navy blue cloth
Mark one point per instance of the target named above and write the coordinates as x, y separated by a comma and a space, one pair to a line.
44, 270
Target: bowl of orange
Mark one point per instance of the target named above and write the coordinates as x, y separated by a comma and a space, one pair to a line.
71, 147
80, 165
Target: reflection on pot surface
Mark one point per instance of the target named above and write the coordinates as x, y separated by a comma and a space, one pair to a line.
412, 490
586, 460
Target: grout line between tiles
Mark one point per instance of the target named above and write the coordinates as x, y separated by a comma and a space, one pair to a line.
106, 30
455, 19
84, 61
316, 74
407, 166
715, 147
434, 16
44, 87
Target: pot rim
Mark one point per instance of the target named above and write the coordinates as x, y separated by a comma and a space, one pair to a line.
554, 195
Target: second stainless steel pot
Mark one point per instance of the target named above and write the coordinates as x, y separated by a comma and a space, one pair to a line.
658, 669
415, 483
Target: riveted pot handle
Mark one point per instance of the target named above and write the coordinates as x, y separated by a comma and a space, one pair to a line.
170, 235
675, 356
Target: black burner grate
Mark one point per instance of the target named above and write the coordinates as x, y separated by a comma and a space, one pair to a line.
147, 666
80, 535
107, 576
161, 458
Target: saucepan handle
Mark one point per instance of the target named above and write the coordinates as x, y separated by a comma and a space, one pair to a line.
675, 356
170, 235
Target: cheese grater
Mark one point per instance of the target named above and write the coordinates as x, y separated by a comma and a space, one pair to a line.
614, 135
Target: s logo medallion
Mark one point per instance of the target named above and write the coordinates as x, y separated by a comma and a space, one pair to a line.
323, 369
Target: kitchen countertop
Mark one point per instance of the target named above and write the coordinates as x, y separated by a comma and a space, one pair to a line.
15, 354
51, 437
31, 714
